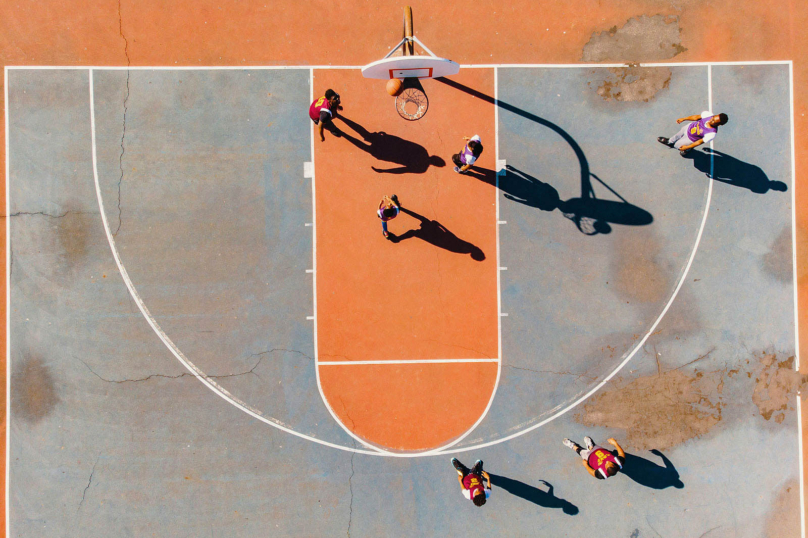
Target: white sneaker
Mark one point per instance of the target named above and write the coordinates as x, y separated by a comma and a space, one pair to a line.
590, 444
569, 444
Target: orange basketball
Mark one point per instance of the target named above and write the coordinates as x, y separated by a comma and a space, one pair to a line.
394, 86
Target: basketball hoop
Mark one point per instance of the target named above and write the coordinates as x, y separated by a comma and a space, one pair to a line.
411, 103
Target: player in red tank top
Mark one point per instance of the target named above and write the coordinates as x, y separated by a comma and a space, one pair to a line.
323, 110
600, 463
471, 480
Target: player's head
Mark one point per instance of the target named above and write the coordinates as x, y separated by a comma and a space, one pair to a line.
475, 147
389, 212
479, 497
611, 469
722, 118
332, 96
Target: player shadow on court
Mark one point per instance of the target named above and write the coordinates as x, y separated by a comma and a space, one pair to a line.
436, 233
649, 474
727, 169
532, 494
591, 215
412, 158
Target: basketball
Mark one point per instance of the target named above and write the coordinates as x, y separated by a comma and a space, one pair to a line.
394, 86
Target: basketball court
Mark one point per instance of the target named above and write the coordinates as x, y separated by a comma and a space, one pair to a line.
209, 335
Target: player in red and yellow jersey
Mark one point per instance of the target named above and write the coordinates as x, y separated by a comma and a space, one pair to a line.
600, 463
322, 112
471, 480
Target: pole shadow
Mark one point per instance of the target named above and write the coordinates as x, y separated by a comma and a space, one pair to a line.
411, 158
532, 494
590, 214
727, 169
649, 474
435, 233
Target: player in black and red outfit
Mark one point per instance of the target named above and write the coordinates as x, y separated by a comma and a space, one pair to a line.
471, 480
322, 112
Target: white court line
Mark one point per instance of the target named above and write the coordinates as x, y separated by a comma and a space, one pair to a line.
8, 304
196, 372
310, 67
314, 281
413, 361
794, 222
802, 467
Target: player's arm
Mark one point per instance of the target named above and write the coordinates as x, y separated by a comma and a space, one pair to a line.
460, 479
487, 478
322, 137
694, 117
588, 467
617, 447
465, 167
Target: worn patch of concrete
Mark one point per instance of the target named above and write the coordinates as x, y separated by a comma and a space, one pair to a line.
778, 261
636, 274
776, 384
674, 405
33, 391
633, 83
73, 234
783, 519
658, 411
641, 39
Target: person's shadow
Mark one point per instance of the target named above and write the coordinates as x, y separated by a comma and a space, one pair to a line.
532, 494
727, 169
412, 158
436, 233
649, 474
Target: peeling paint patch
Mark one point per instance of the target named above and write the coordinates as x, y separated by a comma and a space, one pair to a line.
641, 39
658, 411
675, 405
776, 384
634, 83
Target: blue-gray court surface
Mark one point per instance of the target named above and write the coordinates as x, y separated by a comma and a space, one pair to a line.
657, 291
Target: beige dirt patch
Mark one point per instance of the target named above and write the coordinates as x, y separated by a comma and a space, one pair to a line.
33, 392
658, 411
641, 39
634, 83
776, 385
783, 520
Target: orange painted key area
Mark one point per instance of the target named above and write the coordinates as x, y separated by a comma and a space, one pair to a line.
423, 297
409, 406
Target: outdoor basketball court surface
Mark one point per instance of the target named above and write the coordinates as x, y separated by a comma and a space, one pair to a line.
208, 334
